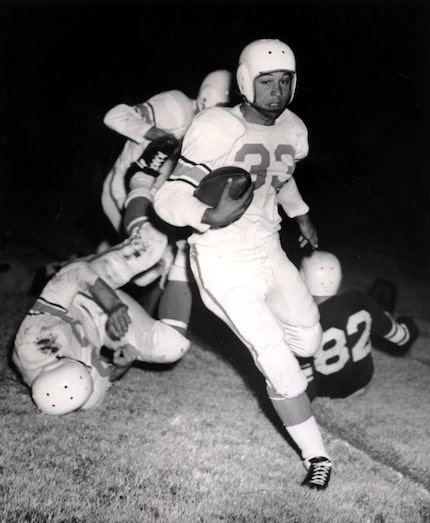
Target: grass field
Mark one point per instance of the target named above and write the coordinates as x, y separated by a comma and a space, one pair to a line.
198, 441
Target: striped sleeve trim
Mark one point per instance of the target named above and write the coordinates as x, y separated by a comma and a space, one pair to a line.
189, 171
398, 334
43, 305
189, 163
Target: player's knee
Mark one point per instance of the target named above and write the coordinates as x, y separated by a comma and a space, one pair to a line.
292, 387
304, 341
264, 331
169, 344
282, 371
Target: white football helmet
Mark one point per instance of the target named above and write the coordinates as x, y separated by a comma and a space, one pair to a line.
264, 56
215, 89
62, 387
322, 273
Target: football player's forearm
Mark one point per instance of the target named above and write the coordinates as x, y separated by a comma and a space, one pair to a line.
105, 297
116, 310
175, 204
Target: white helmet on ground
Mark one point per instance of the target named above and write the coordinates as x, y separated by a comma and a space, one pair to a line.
62, 387
322, 273
215, 89
264, 56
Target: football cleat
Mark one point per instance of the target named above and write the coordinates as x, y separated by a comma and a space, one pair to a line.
384, 292
319, 472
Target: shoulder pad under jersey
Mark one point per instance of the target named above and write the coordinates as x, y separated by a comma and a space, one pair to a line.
296, 126
292, 118
211, 134
171, 111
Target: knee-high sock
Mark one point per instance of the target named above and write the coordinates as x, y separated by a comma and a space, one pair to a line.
176, 300
297, 417
138, 201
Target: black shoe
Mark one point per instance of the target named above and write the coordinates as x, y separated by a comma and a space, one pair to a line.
384, 292
319, 472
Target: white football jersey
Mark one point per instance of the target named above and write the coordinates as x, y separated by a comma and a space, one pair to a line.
170, 111
55, 327
220, 137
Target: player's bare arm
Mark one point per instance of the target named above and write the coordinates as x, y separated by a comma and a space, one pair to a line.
309, 233
118, 318
154, 132
227, 210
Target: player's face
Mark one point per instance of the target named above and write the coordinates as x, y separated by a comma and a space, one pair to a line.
272, 92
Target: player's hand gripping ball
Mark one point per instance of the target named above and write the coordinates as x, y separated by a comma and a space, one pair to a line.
211, 187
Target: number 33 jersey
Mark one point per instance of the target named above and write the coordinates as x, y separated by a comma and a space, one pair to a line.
221, 137
344, 363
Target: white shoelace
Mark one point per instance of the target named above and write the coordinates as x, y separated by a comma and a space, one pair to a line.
320, 471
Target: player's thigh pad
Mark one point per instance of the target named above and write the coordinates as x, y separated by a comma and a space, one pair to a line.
282, 371
303, 341
289, 297
236, 294
264, 338
239, 301
293, 305
217, 273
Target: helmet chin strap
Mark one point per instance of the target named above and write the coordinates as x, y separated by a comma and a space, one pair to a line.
265, 112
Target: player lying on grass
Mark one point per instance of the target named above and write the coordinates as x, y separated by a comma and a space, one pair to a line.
154, 130
243, 274
58, 346
351, 321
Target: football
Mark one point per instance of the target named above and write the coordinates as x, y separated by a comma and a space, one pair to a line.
210, 189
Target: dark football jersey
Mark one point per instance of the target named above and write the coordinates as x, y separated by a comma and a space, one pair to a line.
344, 362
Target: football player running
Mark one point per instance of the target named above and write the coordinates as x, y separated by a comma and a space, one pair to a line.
242, 272
351, 321
154, 130
58, 346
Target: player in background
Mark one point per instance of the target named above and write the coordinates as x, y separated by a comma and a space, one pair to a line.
350, 321
57, 348
242, 272
154, 130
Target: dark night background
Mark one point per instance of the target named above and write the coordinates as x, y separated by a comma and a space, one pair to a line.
363, 91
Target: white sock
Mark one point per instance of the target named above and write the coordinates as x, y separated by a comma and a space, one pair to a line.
307, 437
